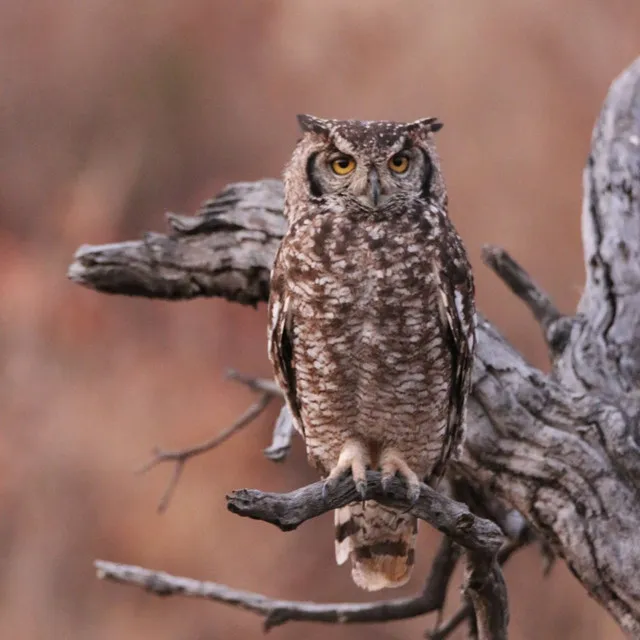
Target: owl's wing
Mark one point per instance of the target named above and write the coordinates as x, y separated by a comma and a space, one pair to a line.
281, 336
457, 312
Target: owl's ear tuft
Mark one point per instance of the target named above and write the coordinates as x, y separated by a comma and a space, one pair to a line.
311, 124
425, 126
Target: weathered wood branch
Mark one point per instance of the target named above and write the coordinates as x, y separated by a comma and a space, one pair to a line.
287, 511
563, 449
278, 612
226, 250
555, 327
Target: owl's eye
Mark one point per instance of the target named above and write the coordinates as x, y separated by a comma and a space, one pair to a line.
343, 165
399, 163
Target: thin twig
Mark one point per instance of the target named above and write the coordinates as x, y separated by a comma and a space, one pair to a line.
283, 429
449, 626
255, 384
181, 456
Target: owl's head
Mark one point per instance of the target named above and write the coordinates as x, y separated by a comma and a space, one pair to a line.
370, 168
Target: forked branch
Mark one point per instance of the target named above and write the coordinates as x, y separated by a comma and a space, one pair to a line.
179, 457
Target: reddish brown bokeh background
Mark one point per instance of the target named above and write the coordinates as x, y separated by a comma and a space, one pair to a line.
112, 112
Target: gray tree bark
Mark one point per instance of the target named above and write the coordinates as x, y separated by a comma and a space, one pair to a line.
563, 449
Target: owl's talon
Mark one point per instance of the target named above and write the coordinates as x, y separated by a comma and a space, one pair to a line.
329, 485
413, 493
361, 488
353, 458
393, 463
387, 479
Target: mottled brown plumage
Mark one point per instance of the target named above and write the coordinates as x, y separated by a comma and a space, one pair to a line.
372, 322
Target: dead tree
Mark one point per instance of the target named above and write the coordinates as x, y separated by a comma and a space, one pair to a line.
561, 450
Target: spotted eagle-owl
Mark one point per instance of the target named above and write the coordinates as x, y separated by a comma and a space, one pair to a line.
372, 323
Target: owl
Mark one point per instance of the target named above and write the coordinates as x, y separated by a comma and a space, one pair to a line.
372, 324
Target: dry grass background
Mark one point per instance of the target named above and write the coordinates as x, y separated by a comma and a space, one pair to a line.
112, 112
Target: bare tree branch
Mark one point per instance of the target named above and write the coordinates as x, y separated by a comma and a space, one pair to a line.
277, 612
447, 628
180, 457
226, 250
287, 511
556, 327
256, 384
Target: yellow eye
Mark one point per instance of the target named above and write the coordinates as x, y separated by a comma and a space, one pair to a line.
343, 165
399, 163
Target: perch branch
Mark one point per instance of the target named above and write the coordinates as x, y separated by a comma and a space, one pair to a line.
287, 511
482, 538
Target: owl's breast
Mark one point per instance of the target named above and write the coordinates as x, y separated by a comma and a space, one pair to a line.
368, 337
368, 292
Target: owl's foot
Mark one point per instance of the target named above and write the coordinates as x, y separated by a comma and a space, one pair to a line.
392, 463
353, 457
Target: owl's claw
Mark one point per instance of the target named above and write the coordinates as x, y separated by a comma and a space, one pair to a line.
353, 457
413, 488
392, 463
331, 482
325, 487
386, 482
413, 493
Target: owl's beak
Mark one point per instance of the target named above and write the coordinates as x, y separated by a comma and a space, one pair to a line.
374, 187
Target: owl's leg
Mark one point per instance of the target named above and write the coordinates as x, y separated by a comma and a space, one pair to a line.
392, 462
353, 457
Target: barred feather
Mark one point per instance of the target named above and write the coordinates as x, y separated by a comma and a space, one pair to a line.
380, 542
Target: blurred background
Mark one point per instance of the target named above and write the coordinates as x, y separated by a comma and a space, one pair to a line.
112, 112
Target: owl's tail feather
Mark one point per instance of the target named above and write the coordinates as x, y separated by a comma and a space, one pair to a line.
380, 542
